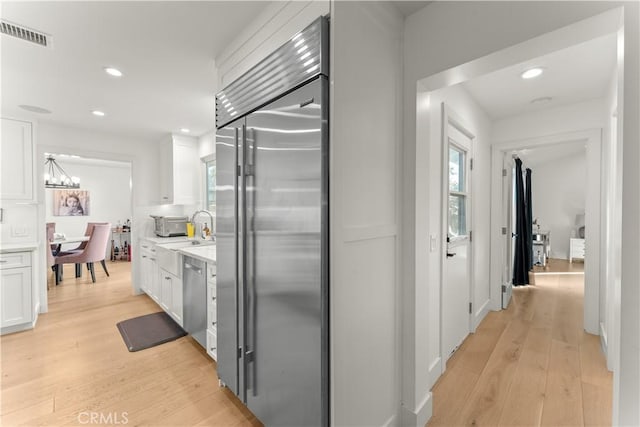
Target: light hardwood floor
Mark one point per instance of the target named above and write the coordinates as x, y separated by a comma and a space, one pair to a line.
74, 366
555, 265
530, 365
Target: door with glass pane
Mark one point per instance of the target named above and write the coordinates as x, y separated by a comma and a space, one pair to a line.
456, 286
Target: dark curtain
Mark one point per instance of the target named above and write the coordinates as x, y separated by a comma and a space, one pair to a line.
522, 256
529, 222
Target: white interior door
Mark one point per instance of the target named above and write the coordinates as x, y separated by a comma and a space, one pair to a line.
456, 287
508, 232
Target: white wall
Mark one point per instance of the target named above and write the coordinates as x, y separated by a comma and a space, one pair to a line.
558, 195
612, 226
277, 23
494, 35
366, 135
552, 121
109, 187
627, 379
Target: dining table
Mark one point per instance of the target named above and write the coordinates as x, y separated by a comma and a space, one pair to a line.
71, 239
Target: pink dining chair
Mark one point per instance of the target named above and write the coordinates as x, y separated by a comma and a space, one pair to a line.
87, 232
51, 262
51, 230
80, 247
94, 251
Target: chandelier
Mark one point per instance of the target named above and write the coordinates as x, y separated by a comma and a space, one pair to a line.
56, 177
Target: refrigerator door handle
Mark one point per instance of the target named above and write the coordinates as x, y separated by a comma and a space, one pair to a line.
240, 244
250, 257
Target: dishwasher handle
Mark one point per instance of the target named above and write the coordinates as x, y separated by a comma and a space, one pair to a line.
195, 269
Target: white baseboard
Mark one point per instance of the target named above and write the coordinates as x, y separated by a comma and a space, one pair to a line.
479, 315
435, 371
36, 312
420, 416
17, 328
604, 345
390, 422
603, 338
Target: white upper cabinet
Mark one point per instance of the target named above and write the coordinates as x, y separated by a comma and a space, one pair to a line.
16, 160
179, 171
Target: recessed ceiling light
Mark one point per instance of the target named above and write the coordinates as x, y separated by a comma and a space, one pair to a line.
532, 73
185, 130
98, 113
542, 100
113, 71
35, 109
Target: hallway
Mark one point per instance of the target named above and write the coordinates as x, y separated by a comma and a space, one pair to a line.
529, 365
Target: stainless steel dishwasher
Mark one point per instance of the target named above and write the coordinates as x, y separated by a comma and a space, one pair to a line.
194, 281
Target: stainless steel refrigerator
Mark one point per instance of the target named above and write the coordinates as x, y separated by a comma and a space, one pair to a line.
272, 233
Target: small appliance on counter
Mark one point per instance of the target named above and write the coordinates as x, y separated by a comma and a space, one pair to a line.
170, 226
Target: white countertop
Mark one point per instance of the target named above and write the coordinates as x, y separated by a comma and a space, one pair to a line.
206, 253
19, 247
156, 239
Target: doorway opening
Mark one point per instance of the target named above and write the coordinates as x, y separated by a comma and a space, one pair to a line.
104, 196
496, 136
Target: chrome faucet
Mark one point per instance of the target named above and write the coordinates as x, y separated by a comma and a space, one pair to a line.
193, 217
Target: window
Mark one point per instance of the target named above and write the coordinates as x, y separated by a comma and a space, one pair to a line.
457, 192
210, 166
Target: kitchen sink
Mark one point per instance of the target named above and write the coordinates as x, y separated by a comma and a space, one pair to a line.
170, 259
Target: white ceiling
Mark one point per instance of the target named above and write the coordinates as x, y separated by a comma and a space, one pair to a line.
166, 51
532, 157
410, 7
575, 74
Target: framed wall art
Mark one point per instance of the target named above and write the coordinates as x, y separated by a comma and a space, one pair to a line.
71, 203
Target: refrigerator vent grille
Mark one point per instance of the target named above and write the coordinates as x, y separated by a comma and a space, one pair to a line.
299, 60
24, 33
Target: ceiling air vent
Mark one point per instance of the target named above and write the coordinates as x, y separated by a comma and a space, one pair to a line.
25, 33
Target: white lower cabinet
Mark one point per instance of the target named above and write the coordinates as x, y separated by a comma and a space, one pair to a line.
170, 298
149, 268
164, 286
212, 316
212, 344
16, 289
